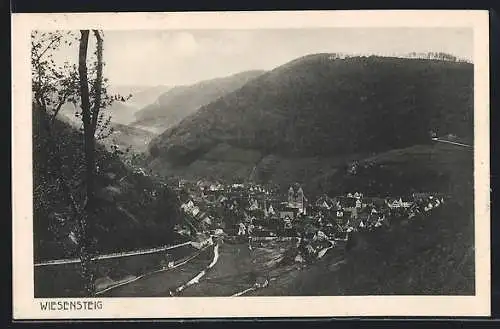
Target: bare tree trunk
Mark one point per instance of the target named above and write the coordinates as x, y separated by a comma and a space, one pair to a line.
89, 147
86, 115
97, 83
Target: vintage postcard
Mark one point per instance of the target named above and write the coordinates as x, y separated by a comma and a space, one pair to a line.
250, 164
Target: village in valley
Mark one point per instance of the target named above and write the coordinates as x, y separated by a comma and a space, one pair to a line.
252, 212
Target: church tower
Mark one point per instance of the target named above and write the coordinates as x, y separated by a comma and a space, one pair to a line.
300, 197
300, 201
291, 195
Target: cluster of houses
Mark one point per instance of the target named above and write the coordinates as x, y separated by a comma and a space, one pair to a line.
355, 212
256, 210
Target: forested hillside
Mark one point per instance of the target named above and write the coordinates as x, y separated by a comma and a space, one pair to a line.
317, 106
133, 211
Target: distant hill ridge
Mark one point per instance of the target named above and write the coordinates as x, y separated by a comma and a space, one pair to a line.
124, 136
178, 102
123, 112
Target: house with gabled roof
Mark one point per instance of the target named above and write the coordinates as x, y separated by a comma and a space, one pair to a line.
406, 202
339, 213
429, 206
269, 211
325, 202
364, 218
254, 205
358, 195
437, 202
190, 208
394, 203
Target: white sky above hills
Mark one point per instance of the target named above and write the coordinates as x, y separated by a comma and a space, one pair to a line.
149, 58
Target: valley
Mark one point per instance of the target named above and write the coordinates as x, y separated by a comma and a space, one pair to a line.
385, 192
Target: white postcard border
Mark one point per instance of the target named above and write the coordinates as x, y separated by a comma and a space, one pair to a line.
25, 306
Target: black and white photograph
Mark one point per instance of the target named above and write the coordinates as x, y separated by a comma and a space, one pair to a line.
252, 162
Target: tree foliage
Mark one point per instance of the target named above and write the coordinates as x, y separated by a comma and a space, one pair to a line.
53, 85
126, 209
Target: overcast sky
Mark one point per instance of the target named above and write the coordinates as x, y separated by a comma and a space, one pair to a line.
185, 57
